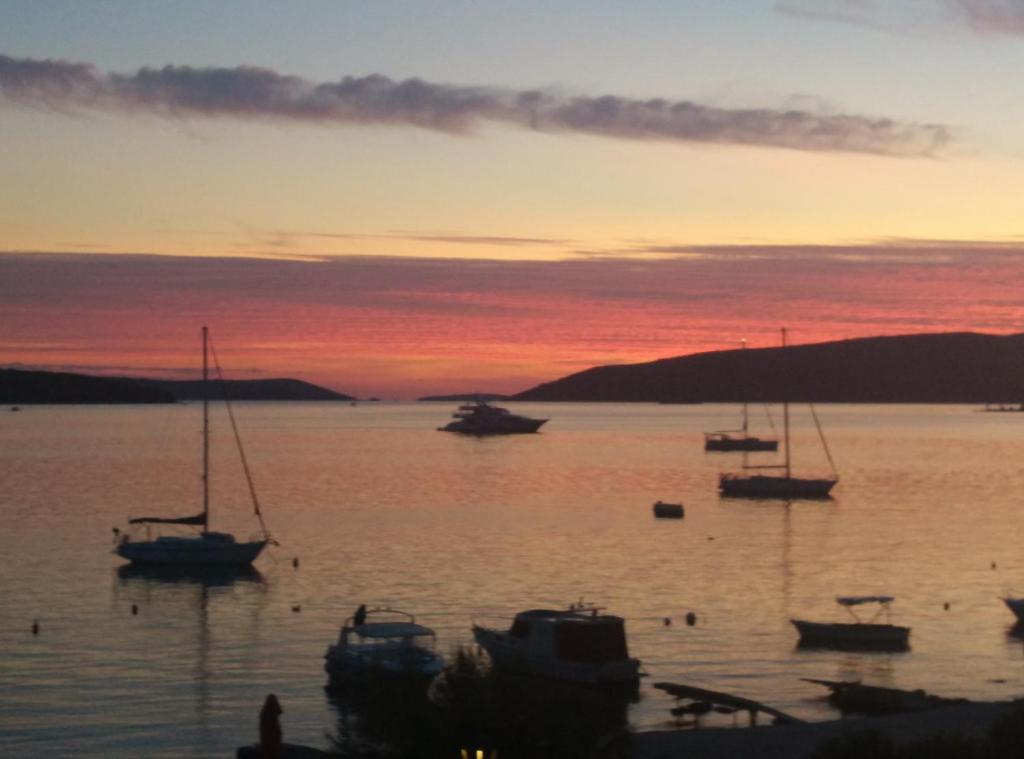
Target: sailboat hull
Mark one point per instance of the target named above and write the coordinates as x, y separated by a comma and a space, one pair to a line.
210, 550
766, 486
728, 443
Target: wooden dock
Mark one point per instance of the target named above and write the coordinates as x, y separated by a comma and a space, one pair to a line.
704, 700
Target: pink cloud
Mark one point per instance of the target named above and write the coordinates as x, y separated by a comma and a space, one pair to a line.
406, 327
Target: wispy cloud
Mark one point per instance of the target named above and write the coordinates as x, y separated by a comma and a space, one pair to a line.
866, 13
914, 16
288, 237
992, 16
248, 92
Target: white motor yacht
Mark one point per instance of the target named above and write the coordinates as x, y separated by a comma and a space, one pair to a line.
481, 418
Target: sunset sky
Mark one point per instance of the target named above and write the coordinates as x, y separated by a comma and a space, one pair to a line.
402, 198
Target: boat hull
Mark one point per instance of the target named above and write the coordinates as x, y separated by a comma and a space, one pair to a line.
345, 668
764, 486
725, 444
190, 552
511, 657
524, 427
852, 635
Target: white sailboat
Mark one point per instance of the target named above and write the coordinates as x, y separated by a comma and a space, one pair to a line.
780, 485
208, 548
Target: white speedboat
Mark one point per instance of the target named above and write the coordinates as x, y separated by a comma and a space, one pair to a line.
856, 634
481, 418
382, 642
578, 645
217, 549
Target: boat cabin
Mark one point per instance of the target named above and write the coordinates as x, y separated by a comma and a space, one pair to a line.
579, 644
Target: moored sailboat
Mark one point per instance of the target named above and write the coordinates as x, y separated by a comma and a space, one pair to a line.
728, 440
783, 485
208, 548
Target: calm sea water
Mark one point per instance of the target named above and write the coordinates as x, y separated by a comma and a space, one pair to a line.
381, 508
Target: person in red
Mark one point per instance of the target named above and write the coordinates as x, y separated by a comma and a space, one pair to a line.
270, 728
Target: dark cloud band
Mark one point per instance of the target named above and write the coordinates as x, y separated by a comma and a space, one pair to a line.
247, 92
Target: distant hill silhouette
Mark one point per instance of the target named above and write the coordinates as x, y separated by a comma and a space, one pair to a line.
247, 390
22, 387
17, 386
961, 367
488, 397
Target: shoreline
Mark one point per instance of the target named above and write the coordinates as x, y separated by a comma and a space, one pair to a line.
799, 741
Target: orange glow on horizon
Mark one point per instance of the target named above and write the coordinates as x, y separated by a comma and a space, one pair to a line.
403, 328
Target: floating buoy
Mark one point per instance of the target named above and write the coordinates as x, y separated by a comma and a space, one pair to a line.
664, 510
135, 609
691, 618
295, 562
35, 626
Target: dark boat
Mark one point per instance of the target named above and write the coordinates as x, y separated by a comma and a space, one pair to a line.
784, 485
578, 645
738, 440
481, 418
726, 441
208, 548
664, 510
856, 634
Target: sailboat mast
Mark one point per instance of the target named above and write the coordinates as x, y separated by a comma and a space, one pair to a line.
785, 412
743, 381
206, 439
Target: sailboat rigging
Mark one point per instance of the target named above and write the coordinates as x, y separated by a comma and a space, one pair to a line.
784, 485
726, 440
208, 548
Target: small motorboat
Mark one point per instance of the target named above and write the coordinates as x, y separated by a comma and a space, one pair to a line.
857, 634
664, 510
382, 642
578, 644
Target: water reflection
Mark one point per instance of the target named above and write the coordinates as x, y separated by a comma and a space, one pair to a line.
179, 595
206, 577
473, 707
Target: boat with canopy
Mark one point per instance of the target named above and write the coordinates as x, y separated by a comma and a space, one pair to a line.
382, 642
856, 634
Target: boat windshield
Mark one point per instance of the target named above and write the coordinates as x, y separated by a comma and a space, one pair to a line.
394, 632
